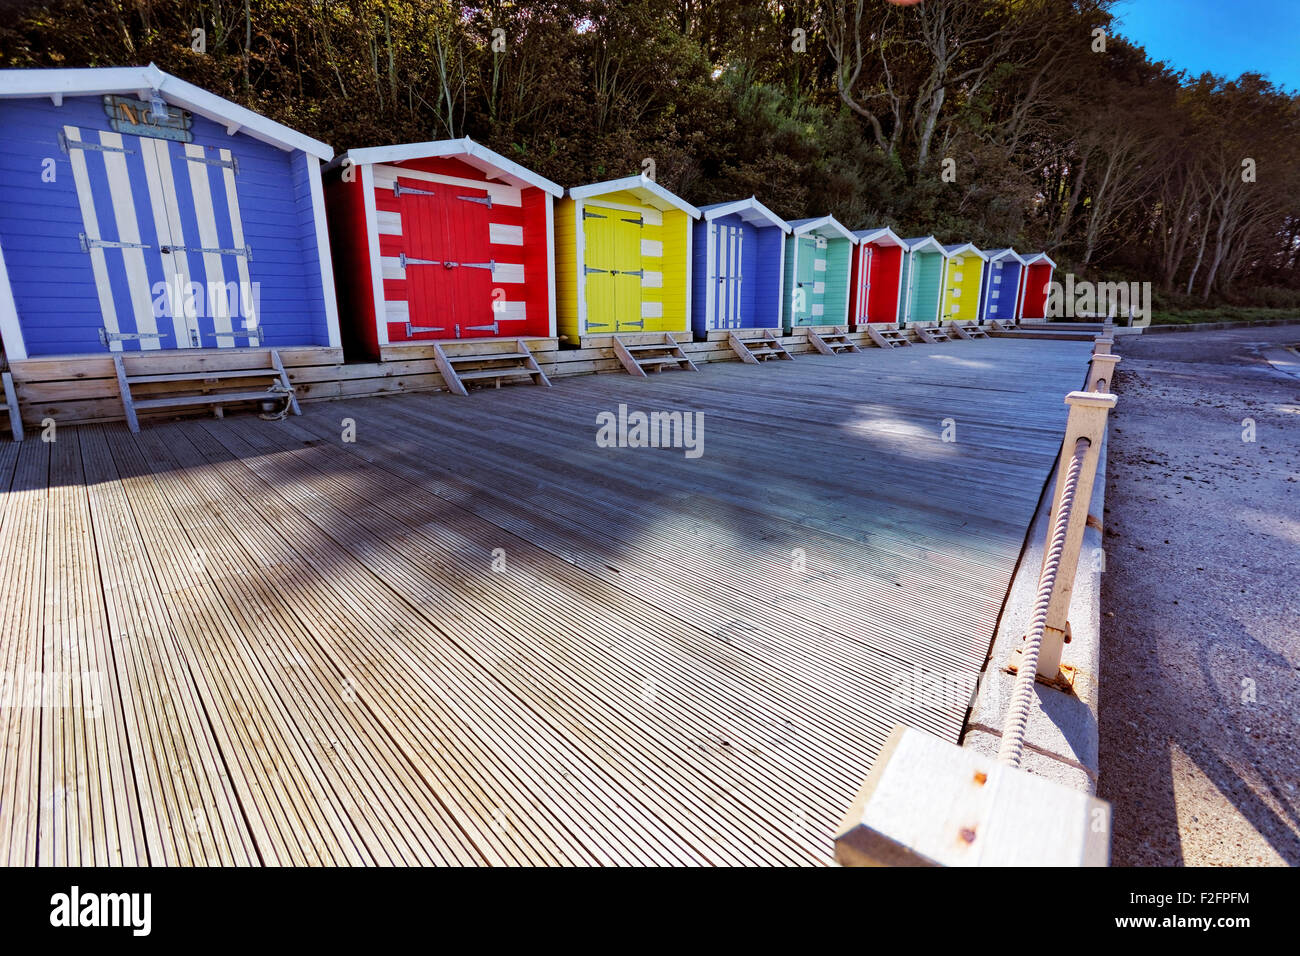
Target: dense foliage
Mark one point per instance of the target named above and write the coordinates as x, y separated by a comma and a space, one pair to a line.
1114, 164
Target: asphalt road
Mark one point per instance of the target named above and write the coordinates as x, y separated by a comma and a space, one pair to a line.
1200, 660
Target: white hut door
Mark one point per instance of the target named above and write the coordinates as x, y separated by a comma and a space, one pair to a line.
728, 278
864, 283
162, 227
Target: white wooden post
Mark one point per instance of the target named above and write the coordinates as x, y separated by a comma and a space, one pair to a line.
1088, 414
1102, 372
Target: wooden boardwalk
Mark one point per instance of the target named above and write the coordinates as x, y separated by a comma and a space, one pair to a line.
472, 636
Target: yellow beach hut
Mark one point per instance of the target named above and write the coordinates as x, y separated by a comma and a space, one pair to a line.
623, 260
963, 279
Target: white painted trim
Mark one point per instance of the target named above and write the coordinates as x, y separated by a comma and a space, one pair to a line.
11, 332
881, 237
323, 252
638, 184
686, 294
90, 223
920, 243
579, 261
1040, 257
718, 210
780, 284
464, 148
710, 297
206, 216
161, 181
550, 263
997, 255
128, 231
141, 81
822, 226
962, 248
372, 242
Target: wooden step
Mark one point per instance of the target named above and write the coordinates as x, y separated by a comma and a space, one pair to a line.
488, 357
754, 351
626, 354
835, 342
888, 338
213, 398
522, 363
207, 376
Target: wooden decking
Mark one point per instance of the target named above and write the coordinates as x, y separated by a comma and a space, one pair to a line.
473, 636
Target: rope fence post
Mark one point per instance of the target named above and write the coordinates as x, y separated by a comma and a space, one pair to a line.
1101, 372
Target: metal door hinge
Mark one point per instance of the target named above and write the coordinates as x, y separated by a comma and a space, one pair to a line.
88, 244
399, 189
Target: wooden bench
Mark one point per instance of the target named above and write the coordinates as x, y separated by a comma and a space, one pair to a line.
11, 406
204, 386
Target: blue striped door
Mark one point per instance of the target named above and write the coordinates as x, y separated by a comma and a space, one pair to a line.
162, 227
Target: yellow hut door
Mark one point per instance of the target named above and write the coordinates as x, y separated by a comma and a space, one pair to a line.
628, 281
612, 269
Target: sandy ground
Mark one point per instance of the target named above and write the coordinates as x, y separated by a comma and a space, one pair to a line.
1200, 660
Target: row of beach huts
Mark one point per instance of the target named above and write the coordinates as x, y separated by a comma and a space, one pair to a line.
142, 214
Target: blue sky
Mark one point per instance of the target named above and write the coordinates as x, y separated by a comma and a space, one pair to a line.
1227, 37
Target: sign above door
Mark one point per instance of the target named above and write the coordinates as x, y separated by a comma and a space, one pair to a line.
136, 117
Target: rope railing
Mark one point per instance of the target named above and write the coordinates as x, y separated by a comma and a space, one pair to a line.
1039, 655
1022, 695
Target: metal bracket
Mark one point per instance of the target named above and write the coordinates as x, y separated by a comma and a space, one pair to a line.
88, 244
67, 145
638, 220
414, 329
490, 265
478, 328
638, 325
246, 251
107, 338
398, 190
588, 214
232, 163
484, 200
404, 261
588, 270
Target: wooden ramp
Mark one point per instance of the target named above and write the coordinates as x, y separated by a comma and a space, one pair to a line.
253, 642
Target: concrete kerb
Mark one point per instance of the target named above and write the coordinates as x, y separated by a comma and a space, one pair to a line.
1061, 740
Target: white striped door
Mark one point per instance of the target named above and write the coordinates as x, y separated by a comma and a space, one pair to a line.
728, 249
162, 227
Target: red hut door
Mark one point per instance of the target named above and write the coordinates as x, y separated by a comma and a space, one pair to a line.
446, 260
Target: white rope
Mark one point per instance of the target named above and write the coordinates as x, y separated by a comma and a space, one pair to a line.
1022, 695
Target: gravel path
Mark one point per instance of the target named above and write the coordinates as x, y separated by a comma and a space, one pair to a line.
1200, 660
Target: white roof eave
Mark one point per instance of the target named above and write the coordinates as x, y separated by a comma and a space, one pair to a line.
144, 80
884, 236
821, 224
453, 148
642, 183
746, 205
